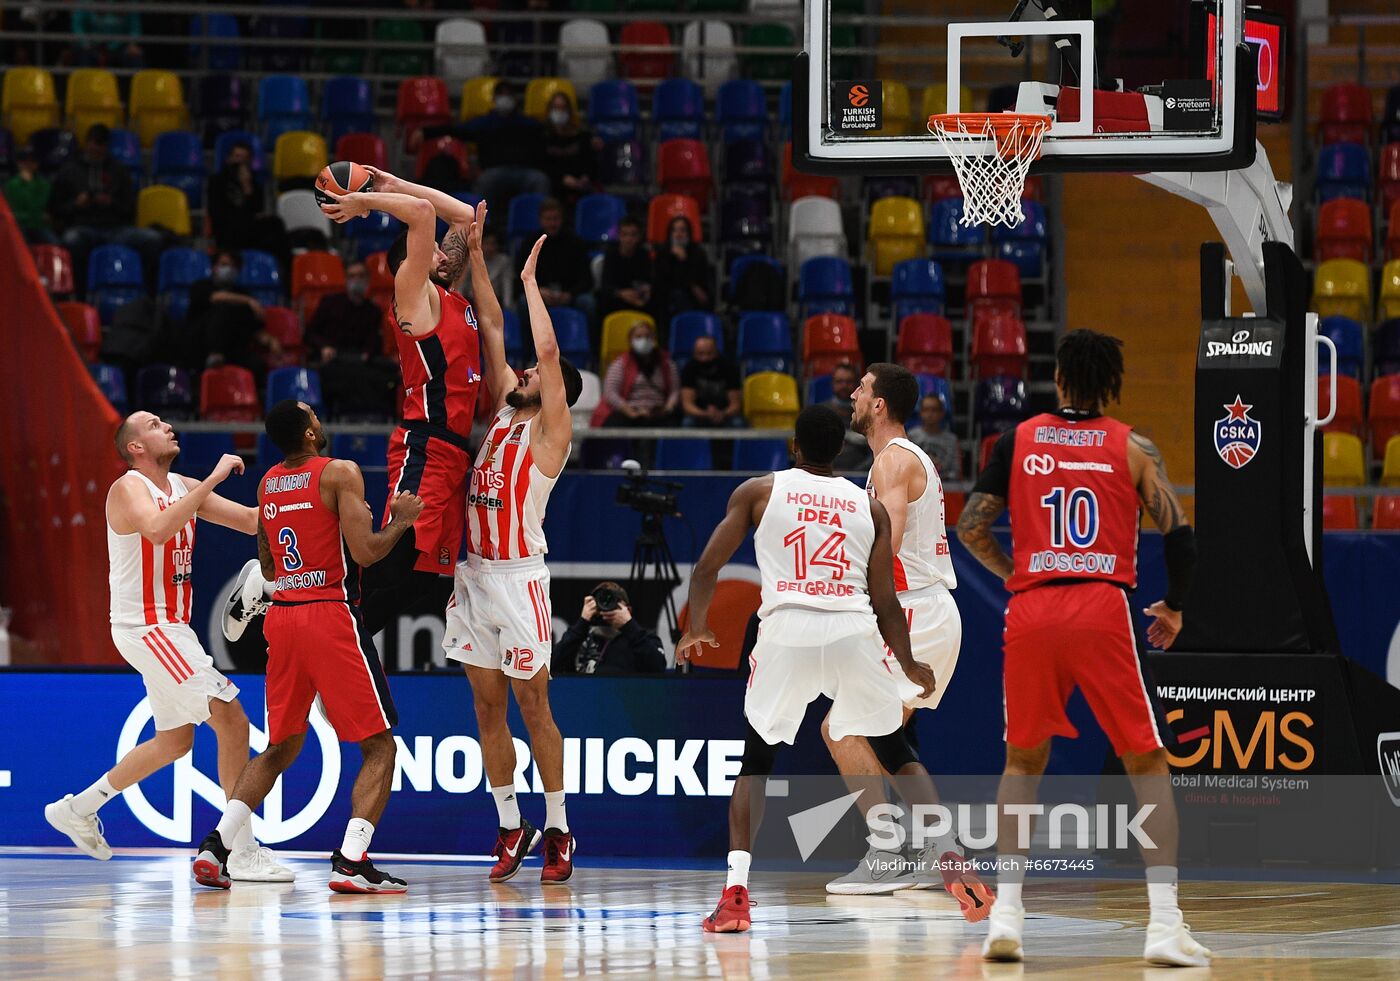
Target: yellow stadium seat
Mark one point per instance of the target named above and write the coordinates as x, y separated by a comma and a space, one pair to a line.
896, 233
936, 100
615, 328
1342, 287
1390, 290
92, 98
163, 205
1343, 460
770, 400
1390, 473
29, 102
299, 154
477, 96
157, 105
541, 90
895, 114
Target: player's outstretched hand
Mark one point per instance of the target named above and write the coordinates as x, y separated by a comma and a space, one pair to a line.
347, 206
228, 463
477, 228
406, 506
383, 180
1165, 625
922, 675
527, 274
691, 644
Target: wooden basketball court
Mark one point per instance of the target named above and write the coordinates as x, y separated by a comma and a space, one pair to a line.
140, 916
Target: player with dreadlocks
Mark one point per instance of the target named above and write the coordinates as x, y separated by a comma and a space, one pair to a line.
1074, 481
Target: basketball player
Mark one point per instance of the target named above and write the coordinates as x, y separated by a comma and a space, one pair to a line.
498, 621
315, 532
905, 481
828, 598
151, 516
1074, 481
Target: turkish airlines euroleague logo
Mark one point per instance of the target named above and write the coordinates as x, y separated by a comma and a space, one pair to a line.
856, 105
858, 97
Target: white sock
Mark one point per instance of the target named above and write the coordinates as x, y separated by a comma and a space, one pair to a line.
244, 838
1009, 894
1161, 893
507, 807
738, 870
236, 818
90, 800
357, 837
554, 816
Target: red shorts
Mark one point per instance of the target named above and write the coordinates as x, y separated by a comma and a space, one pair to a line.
437, 471
323, 649
1079, 634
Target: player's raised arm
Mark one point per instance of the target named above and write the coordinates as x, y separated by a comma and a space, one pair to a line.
884, 600
367, 546
743, 513
230, 514
490, 320
448, 208
1178, 537
556, 423
131, 509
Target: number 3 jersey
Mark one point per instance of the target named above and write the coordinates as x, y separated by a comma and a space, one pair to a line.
1074, 508
813, 545
309, 554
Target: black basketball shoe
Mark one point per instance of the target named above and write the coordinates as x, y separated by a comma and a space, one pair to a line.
361, 876
211, 862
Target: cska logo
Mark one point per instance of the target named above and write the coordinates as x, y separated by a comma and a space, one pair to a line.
1237, 435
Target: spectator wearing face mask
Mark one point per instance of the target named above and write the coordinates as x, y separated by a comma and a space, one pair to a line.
570, 152
227, 323
683, 278
344, 340
642, 386
627, 272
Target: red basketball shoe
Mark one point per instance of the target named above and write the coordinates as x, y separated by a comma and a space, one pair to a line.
963, 885
511, 848
732, 913
558, 856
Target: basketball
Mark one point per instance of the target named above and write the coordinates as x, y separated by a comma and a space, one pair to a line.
342, 177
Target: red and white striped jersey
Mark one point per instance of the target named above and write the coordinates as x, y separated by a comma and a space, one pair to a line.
151, 583
924, 558
508, 493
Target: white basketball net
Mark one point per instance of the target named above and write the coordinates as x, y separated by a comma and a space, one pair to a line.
991, 166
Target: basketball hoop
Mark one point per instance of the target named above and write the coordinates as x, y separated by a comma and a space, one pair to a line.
992, 153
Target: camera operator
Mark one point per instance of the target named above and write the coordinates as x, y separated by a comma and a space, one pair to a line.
606, 640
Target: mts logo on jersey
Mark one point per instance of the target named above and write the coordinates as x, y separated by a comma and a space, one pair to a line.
1237, 436
486, 488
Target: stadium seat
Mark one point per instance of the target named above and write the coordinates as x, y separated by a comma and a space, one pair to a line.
302, 384
682, 454
930, 384
614, 111
916, 286
925, 344
539, 92
817, 390
993, 284
761, 455
180, 268
394, 59
178, 161
224, 141
1392, 235
770, 400
825, 285
1386, 516
1390, 466
165, 390
381, 289
29, 102
623, 164
1345, 116
1343, 460
1388, 306
999, 402
284, 106
298, 209
1384, 411
596, 217
282, 28
678, 110
112, 384
442, 146
523, 217
478, 95
213, 42
642, 64
588, 399
616, 326
55, 268
459, 50
764, 343
369, 450
84, 326
665, 207
797, 185
1342, 287
1385, 351
375, 232
1339, 513
828, 340
935, 100
114, 277
1389, 177
1024, 246
950, 238
1343, 171
757, 282
895, 232
896, 115
769, 65
157, 105
1343, 230
998, 346
745, 220
315, 275
92, 98
284, 326
571, 331
814, 229
363, 148
1349, 417
749, 163
125, 148
707, 53
741, 110
261, 277
686, 327
585, 52
421, 102
683, 167
347, 105
298, 157
1348, 336
937, 187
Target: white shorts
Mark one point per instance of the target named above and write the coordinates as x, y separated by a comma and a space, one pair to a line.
935, 635
499, 616
180, 678
802, 654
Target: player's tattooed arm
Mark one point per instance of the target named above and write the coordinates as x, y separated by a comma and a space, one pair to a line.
454, 246
1155, 490
405, 325
269, 571
975, 532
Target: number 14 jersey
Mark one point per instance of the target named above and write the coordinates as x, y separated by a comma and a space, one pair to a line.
813, 545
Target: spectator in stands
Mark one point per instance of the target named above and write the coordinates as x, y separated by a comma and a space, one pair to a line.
234, 199
932, 436
710, 388
642, 387
509, 148
606, 640
683, 278
562, 269
855, 455
499, 268
346, 343
570, 152
125, 27
627, 272
94, 203
225, 322
28, 195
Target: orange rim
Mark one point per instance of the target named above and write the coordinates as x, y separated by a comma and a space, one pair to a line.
1012, 130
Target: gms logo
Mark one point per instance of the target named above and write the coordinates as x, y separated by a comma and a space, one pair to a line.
1388, 756
1237, 435
271, 827
1239, 343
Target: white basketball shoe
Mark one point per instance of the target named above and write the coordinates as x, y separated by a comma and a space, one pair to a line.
1004, 926
1170, 944
254, 863
85, 831
247, 600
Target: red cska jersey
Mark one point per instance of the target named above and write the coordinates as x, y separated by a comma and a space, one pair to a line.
442, 369
1074, 508
309, 555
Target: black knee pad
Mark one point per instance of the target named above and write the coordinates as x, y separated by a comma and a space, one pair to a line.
758, 755
893, 751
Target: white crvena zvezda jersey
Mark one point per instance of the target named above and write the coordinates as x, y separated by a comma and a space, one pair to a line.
813, 544
508, 494
923, 557
151, 583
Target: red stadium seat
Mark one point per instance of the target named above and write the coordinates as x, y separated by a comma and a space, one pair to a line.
314, 275
229, 394
1349, 417
363, 148
1392, 234
1344, 230
998, 347
993, 279
829, 339
646, 64
1345, 115
284, 327
84, 325
1386, 516
55, 267
799, 185
925, 344
665, 207
1385, 412
453, 148
1389, 177
1339, 513
423, 101
683, 167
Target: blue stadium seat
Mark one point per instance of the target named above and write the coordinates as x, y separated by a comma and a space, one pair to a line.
125, 148
347, 105
761, 455
223, 103
225, 142
596, 217
614, 110
1024, 245
165, 390
178, 160
571, 331
741, 110
515, 338
678, 110
818, 389
200, 452
749, 162
180, 268
785, 110
683, 454
302, 384
934, 385
916, 286
365, 449
686, 327
1386, 349
824, 285
523, 220
222, 57
876, 188
109, 378
114, 278
999, 402
950, 238
765, 343
743, 262
261, 277
745, 216
1343, 171
284, 105
1348, 336
375, 232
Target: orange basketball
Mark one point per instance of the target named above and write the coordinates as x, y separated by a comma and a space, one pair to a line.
342, 177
